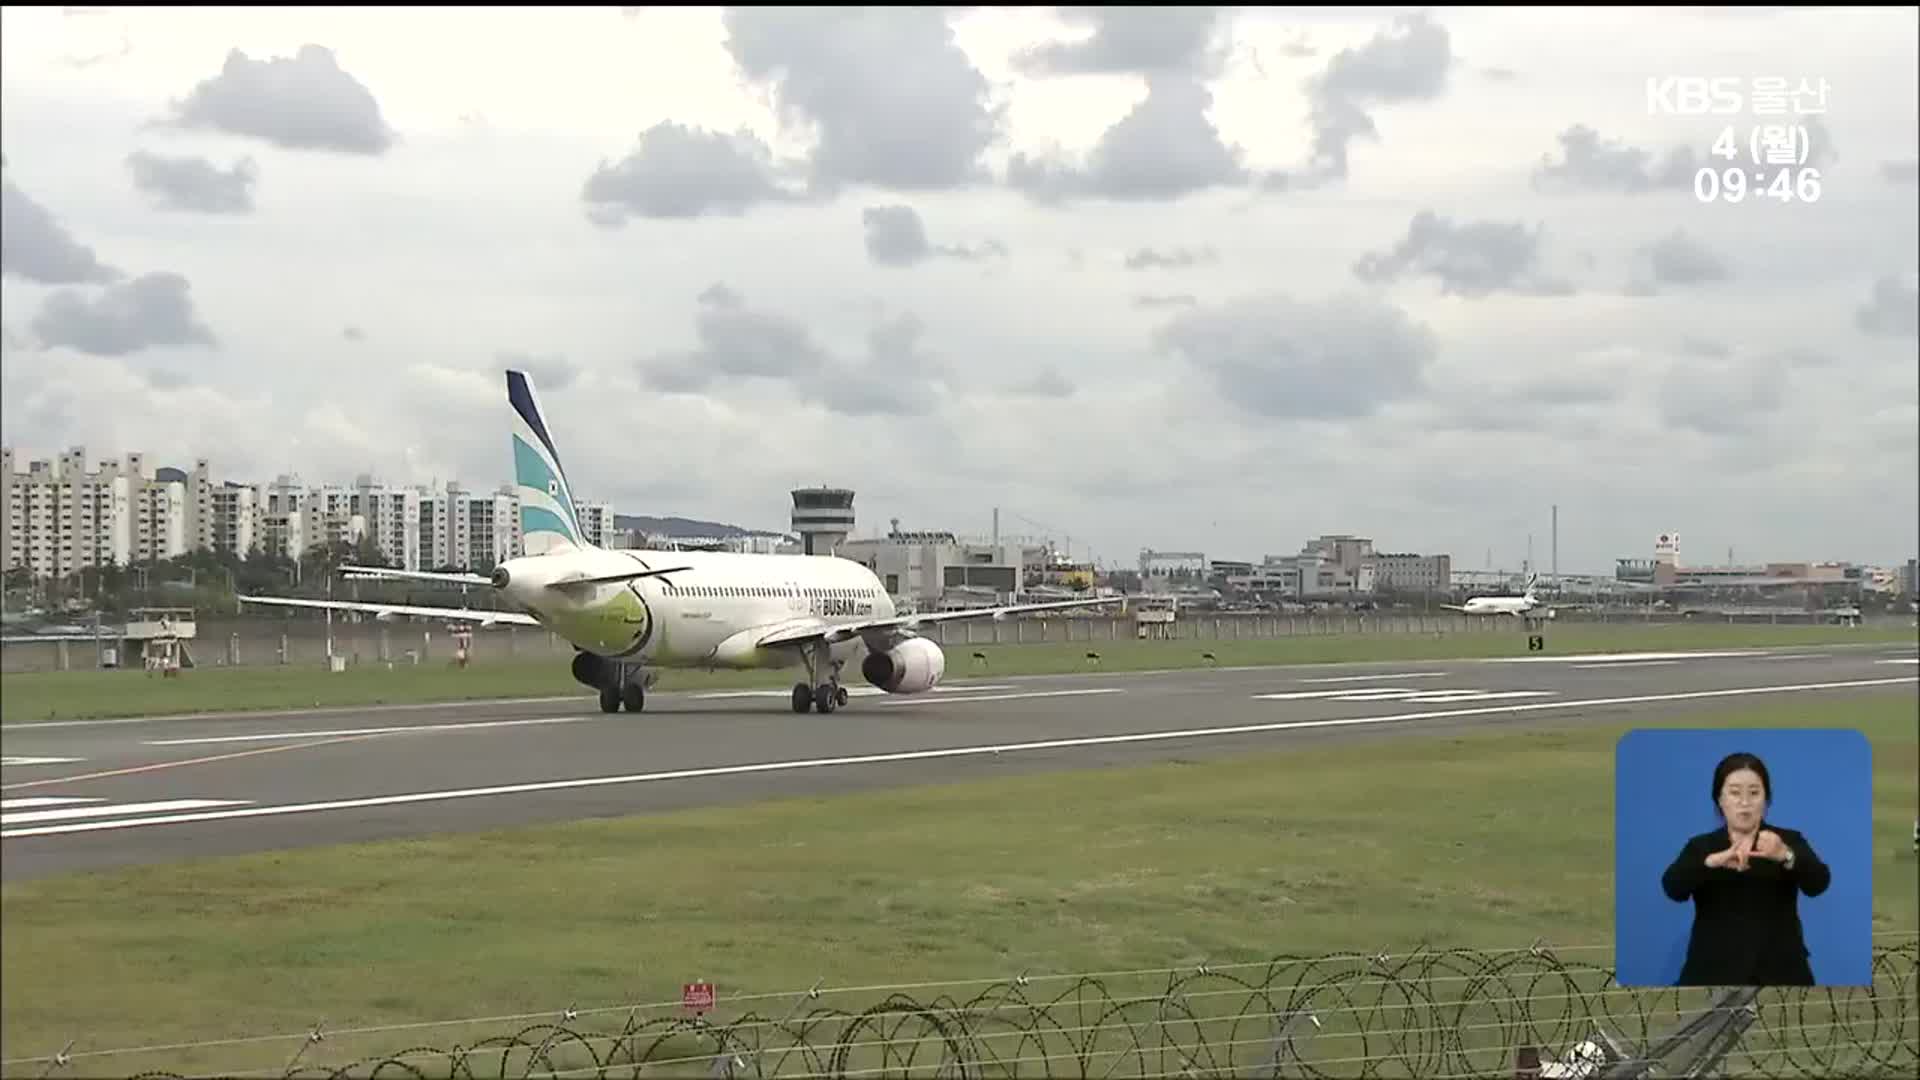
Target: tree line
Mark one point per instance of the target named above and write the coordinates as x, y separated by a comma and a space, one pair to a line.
209, 580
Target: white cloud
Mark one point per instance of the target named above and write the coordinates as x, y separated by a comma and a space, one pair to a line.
1173, 352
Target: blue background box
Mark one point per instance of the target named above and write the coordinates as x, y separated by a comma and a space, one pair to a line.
1822, 785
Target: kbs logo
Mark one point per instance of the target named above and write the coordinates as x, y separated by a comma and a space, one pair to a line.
1694, 95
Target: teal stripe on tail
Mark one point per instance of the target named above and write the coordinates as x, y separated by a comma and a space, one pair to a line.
549, 521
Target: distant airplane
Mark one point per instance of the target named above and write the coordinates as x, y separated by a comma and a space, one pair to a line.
1522, 606
630, 613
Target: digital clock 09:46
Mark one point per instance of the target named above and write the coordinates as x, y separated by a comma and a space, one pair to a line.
1734, 184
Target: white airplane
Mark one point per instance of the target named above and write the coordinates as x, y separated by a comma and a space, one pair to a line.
630, 613
1522, 606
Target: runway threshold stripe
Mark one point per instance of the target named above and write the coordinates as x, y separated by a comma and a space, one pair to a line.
919, 755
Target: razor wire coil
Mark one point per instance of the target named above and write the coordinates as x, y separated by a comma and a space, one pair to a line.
1430, 1014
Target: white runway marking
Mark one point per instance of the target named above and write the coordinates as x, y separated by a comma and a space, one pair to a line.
39, 760
113, 809
1626, 664
44, 800
259, 714
1010, 697
1415, 695
919, 755
1901, 660
322, 734
852, 691
1379, 678
1617, 658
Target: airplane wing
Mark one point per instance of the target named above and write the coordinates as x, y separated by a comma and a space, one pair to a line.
456, 614
830, 633
580, 581
412, 575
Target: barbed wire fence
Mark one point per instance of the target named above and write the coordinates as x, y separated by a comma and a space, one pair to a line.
1454, 1013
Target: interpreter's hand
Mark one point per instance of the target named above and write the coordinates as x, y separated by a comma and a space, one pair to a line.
1770, 846
1733, 857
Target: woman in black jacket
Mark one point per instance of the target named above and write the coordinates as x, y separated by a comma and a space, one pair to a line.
1744, 882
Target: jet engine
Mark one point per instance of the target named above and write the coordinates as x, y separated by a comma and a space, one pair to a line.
590, 669
911, 667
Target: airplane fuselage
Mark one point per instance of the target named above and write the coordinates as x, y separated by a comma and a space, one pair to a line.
707, 615
1501, 605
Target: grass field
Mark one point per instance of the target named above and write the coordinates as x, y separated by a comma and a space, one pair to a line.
71, 695
1382, 844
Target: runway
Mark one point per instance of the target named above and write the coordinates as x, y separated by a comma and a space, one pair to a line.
80, 795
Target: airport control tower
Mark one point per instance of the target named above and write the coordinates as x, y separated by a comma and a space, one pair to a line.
823, 517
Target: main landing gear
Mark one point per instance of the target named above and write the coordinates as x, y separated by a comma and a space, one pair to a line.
629, 688
632, 695
815, 694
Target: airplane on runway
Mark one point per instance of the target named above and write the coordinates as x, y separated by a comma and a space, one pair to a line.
1522, 606
629, 614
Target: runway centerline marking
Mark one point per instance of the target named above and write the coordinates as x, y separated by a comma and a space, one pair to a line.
343, 732
1411, 695
1621, 658
1379, 678
39, 760
1006, 697
917, 755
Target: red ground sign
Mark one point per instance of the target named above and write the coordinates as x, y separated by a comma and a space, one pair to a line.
697, 996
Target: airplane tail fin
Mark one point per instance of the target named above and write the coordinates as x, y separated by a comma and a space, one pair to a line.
549, 520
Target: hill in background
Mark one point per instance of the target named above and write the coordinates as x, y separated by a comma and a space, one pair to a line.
683, 527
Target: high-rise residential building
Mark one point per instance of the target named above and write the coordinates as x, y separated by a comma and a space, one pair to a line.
57, 517
596, 521
60, 517
234, 517
468, 530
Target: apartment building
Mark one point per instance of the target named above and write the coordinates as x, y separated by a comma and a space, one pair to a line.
58, 517
468, 530
596, 521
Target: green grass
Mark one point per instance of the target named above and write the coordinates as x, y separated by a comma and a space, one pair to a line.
70, 695
1473, 841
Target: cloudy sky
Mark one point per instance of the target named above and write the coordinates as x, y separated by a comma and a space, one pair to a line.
1217, 279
